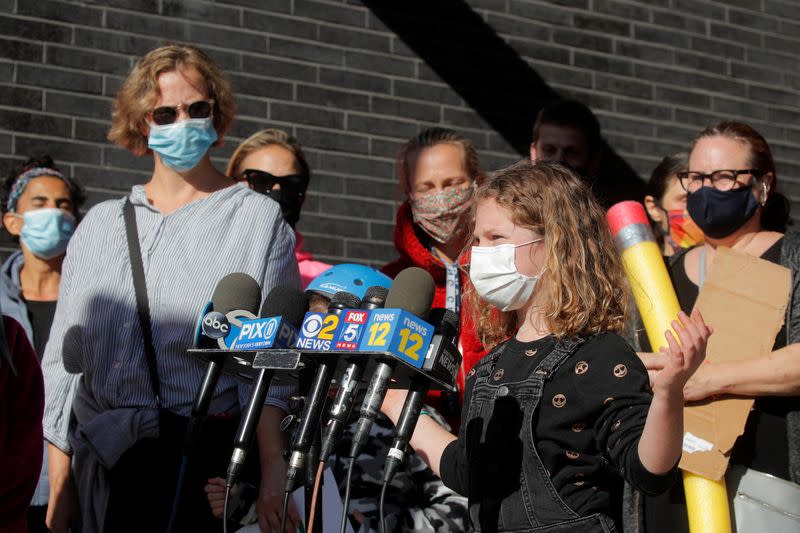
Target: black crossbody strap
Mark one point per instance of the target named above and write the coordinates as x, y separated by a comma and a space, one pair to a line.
142, 303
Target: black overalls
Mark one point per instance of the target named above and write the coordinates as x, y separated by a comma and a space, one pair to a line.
499, 438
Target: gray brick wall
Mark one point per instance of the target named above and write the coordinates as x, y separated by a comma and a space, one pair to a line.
351, 81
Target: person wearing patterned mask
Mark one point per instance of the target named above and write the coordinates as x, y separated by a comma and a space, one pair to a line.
438, 171
666, 207
138, 272
561, 409
40, 209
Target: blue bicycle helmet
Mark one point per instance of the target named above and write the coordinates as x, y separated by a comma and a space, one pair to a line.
349, 277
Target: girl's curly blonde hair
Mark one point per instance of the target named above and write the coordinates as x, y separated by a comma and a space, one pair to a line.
585, 286
139, 93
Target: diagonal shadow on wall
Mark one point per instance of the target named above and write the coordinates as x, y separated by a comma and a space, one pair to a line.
491, 77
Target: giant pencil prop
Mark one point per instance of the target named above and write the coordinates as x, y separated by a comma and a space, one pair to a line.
706, 500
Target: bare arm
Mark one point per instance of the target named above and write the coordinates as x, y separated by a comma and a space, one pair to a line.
429, 439
777, 374
271, 445
660, 443
62, 508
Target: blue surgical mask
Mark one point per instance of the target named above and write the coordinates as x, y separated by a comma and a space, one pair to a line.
46, 232
181, 145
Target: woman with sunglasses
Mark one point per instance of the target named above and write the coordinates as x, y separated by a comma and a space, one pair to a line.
272, 162
130, 393
731, 185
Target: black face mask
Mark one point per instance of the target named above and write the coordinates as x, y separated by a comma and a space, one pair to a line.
290, 205
290, 196
720, 213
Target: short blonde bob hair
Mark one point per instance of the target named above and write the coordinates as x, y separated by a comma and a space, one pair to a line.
262, 139
585, 286
139, 93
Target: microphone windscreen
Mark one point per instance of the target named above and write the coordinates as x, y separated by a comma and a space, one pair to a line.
287, 302
412, 290
345, 300
375, 296
445, 322
236, 291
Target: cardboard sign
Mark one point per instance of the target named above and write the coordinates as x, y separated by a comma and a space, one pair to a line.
744, 298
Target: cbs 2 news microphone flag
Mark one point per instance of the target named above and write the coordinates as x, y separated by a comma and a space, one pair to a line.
706, 500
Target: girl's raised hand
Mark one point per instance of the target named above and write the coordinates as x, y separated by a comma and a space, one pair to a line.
681, 359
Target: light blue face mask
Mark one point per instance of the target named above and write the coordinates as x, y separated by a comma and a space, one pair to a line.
181, 145
46, 232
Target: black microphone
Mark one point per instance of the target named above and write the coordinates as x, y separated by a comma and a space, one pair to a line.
345, 397
237, 293
413, 291
442, 357
290, 304
315, 399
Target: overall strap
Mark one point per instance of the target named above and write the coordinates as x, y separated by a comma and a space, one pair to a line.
563, 350
142, 303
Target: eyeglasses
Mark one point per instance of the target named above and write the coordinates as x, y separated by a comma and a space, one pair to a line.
263, 182
722, 180
167, 114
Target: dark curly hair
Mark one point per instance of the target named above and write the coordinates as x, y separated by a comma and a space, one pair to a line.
76, 194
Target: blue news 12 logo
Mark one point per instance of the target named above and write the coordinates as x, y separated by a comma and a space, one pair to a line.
399, 332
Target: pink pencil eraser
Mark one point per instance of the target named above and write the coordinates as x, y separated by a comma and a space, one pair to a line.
625, 213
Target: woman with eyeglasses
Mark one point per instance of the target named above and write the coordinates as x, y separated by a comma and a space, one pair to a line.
731, 185
272, 162
129, 393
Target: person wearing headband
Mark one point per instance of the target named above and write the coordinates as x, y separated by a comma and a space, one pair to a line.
40, 210
116, 361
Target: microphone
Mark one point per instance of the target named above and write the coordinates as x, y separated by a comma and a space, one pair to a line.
412, 291
317, 393
287, 304
442, 357
345, 397
236, 293
280, 328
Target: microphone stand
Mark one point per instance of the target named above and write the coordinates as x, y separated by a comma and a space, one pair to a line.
312, 456
312, 463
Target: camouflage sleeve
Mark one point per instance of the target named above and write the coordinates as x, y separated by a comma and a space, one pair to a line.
439, 508
416, 500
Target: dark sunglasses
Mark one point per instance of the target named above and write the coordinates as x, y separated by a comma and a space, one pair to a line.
167, 114
263, 182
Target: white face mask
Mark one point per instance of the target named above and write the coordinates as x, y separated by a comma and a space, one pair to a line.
494, 274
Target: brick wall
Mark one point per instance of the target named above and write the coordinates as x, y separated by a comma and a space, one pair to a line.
352, 80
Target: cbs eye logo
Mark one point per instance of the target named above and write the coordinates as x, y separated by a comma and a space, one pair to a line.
312, 325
